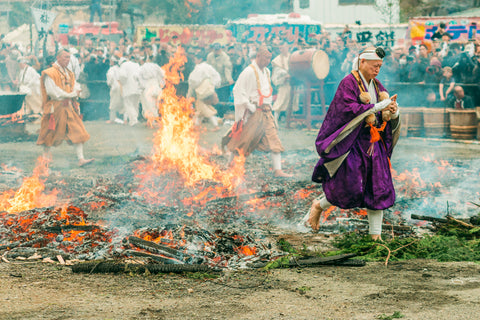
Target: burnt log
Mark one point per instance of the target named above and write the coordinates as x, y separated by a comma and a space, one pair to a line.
71, 227
10, 246
156, 248
428, 218
118, 267
337, 260
447, 219
249, 196
156, 257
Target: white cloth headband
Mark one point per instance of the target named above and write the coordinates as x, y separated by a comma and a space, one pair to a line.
369, 55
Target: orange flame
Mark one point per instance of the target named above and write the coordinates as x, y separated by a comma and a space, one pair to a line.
30, 195
247, 250
176, 141
13, 117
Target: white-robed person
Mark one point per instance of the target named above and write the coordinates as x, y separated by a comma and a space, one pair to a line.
281, 80
130, 89
114, 76
152, 80
29, 84
202, 82
74, 64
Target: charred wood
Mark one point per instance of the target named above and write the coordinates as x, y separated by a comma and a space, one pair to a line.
118, 267
117, 197
156, 248
246, 197
156, 257
338, 260
428, 218
71, 227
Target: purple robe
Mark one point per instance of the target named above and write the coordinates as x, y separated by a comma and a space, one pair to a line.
360, 180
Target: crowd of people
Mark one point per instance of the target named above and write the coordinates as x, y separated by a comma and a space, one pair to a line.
121, 80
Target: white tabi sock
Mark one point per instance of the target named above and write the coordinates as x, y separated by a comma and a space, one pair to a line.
79, 150
375, 219
214, 121
276, 160
324, 203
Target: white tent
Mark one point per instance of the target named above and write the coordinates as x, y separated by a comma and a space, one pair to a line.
21, 36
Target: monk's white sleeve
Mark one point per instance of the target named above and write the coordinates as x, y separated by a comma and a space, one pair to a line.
381, 105
54, 92
396, 114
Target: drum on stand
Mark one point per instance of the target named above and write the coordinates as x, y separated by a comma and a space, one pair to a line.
310, 64
309, 67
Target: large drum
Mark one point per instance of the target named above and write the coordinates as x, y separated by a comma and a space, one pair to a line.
310, 64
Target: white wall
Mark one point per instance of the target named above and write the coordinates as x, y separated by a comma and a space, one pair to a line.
329, 11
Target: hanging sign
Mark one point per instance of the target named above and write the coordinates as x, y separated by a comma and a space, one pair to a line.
43, 19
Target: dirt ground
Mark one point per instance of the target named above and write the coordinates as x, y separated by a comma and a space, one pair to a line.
414, 289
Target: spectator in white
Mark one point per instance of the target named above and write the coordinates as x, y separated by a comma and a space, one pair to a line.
281, 80
130, 89
12, 66
29, 83
202, 82
152, 81
74, 64
114, 74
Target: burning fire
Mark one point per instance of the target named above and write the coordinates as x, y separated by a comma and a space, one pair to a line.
16, 117
176, 141
30, 195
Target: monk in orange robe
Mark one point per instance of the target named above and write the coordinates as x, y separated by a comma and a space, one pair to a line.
61, 113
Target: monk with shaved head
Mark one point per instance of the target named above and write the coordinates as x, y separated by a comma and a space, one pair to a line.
255, 127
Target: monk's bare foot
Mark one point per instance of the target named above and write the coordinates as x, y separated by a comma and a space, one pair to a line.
84, 162
282, 174
376, 237
315, 213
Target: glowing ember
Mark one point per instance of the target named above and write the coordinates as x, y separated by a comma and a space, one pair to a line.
326, 213
247, 251
30, 195
16, 117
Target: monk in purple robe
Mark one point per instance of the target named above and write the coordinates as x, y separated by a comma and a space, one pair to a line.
355, 144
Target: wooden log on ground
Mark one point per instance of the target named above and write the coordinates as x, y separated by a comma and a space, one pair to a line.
460, 222
118, 267
249, 196
321, 260
71, 227
338, 260
156, 248
156, 257
428, 218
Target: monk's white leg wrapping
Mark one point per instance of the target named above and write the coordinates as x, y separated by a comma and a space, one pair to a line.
324, 202
276, 160
375, 218
79, 150
214, 121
